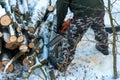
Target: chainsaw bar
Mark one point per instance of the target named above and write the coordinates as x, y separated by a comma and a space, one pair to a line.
55, 40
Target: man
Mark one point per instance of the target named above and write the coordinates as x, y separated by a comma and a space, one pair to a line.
87, 13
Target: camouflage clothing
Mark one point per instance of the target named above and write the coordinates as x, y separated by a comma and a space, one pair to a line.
87, 13
74, 34
79, 8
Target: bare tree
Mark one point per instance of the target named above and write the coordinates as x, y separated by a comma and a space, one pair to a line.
114, 40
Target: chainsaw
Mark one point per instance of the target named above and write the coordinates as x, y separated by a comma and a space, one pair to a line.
59, 37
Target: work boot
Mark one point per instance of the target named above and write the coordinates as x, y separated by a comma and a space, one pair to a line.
102, 49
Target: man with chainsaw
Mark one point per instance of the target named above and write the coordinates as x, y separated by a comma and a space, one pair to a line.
87, 13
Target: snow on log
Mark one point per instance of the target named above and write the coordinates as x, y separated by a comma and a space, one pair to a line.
13, 37
2, 11
38, 14
24, 29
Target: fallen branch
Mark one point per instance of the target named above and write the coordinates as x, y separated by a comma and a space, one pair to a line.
12, 60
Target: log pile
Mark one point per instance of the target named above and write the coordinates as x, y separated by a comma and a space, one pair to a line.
19, 34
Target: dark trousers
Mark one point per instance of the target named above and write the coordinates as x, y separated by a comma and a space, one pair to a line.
74, 34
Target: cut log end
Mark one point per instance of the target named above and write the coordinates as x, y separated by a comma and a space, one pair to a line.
31, 45
13, 39
10, 68
23, 48
28, 62
18, 29
5, 20
31, 29
50, 8
20, 39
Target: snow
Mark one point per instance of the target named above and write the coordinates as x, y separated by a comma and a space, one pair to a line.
39, 10
2, 12
88, 64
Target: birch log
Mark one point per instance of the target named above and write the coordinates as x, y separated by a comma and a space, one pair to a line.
13, 37
24, 45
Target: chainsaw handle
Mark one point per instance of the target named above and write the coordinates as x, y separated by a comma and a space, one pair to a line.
66, 25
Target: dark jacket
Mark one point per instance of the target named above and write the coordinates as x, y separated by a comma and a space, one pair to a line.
78, 7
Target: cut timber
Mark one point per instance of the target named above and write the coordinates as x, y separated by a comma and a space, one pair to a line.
31, 29
20, 35
5, 20
31, 45
28, 62
13, 38
40, 46
24, 45
8, 44
18, 29
10, 68
6, 35
50, 8
23, 48
20, 39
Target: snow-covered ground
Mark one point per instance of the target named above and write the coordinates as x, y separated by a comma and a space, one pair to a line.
89, 63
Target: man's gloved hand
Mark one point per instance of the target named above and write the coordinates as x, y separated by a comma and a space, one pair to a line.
62, 30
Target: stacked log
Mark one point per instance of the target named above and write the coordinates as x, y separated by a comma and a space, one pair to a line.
19, 33
5, 20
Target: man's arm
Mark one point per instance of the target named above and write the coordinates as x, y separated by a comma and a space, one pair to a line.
62, 8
